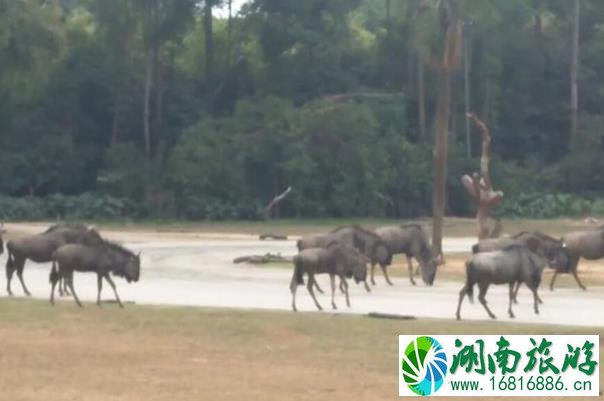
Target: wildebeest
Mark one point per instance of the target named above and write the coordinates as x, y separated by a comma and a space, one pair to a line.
510, 265
336, 260
588, 244
39, 248
365, 241
369, 244
551, 249
102, 258
410, 240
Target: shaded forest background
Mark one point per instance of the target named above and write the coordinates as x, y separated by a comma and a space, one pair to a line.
162, 109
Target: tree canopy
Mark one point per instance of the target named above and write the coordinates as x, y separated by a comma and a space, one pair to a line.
167, 108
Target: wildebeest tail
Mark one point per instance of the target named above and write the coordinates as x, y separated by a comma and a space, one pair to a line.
469, 281
475, 248
298, 276
299, 245
54, 274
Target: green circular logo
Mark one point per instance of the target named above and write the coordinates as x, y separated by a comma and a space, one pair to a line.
424, 365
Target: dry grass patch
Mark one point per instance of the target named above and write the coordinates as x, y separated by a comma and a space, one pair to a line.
168, 353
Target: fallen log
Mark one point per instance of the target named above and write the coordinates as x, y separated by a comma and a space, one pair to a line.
262, 259
276, 237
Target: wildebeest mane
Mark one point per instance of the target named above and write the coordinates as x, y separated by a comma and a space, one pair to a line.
114, 246
75, 226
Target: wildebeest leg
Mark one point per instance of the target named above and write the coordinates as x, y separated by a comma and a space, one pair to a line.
293, 288
345, 290
309, 285
65, 290
61, 286
20, 275
551, 283
52, 291
318, 288
512, 297
372, 273
69, 278
332, 280
410, 265
535, 300
518, 284
342, 285
386, 274
367, 288
99, 285
112, 284
576, 276
483, 288
462, 295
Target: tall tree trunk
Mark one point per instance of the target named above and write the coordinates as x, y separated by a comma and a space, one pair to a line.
466, 78
574, 66
421, 97
209, 46
451, 31
147, 104
440, 158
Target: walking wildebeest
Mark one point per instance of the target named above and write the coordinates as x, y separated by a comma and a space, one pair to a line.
551, 249
363, 240
588, 244
39, 248
336, 260
102, 258
510, 265
410, 240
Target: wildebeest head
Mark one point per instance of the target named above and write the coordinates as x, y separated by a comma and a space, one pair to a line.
428, 269
133, 268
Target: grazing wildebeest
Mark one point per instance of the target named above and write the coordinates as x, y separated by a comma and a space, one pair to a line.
510, 265
588, 244
551, 249
365, 241
410, 240
336, 260
102, 258
39, 248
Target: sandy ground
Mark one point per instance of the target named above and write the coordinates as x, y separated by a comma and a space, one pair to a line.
197, 269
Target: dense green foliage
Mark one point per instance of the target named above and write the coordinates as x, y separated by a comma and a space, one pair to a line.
318, 95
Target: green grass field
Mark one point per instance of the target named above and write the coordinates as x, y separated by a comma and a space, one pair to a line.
178, 353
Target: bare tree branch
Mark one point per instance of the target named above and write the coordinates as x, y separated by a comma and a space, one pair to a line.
275, 201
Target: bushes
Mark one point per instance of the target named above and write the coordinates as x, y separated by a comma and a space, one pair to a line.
85, 206
541, 205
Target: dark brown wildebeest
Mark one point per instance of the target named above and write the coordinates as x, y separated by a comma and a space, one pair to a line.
510, 265
553, 250
39, 248
588, 244
365, 241
411, 241
336, 260
102, 259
